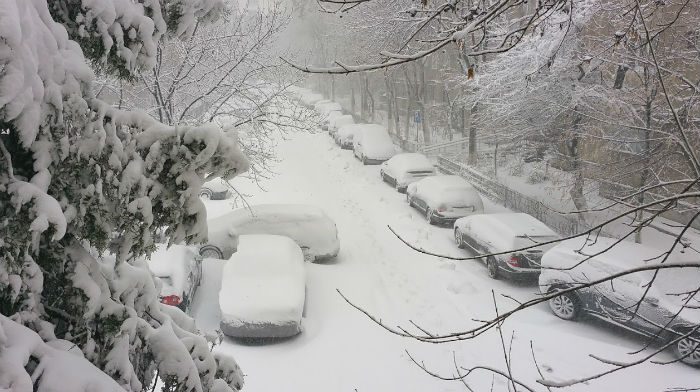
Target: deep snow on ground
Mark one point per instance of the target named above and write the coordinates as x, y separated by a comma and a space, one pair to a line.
341, 349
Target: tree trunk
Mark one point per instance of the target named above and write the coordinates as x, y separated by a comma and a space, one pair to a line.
472, 157
573, 150
333, 88
389, 105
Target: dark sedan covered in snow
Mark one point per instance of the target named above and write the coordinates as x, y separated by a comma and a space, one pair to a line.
505, 232
444, 199
659, 304
404, 169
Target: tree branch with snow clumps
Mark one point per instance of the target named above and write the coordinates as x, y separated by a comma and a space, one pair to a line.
84, 187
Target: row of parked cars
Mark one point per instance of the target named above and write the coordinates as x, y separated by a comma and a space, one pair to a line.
265, 246
519, 246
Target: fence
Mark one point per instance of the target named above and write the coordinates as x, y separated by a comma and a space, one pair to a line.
563, 224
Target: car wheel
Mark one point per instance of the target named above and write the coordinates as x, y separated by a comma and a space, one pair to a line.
492, 267
565, 306
211, 252
688, 350
205, 194
408, 200
381, 173
458, 239
364, 160
429, 216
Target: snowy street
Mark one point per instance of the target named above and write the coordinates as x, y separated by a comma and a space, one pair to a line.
340, 349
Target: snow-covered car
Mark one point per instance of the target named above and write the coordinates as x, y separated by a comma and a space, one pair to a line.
327, 125
263, 288
308, 225
324, 107
216, 189
659, 304
444, 199
179, 268
504, 232
338, 121
372, 145
404, 169
309, 99
345, 134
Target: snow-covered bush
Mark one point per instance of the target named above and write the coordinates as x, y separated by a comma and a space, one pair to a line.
84, 188
516, 169
537, 176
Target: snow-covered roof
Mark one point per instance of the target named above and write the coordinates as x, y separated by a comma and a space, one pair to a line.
350, 129
506, 231
376, 143
339, 121
332, 116
308, 225
310, 98
264, 281
511, 224
445, 182
411, 161
613, 252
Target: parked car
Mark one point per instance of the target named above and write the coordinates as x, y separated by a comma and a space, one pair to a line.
444, 199
327, 124
179, 269
263, 288
309, 99
372, 145
338, 121
669, 309
307, 225
504, 232
345, 134
325, 106
216, 189
404, 169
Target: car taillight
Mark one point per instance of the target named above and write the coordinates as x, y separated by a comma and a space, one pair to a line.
441, 208
513, 261
173, 300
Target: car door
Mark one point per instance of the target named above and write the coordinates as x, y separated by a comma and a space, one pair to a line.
418, 199
621, 301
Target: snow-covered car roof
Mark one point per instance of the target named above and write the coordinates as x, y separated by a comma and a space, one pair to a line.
332, 116
339, 121
376, 142
263, 282
173, 263
308, 225
622, 255
350, 129
410, 161
216, 185
325, 106
310, 98
507, 231
447, 189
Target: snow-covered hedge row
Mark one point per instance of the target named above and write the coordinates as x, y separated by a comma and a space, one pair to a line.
80, 181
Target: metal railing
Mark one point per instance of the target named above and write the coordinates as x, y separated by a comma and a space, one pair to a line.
563, 224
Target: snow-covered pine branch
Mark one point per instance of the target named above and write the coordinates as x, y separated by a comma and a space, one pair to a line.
83, 189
